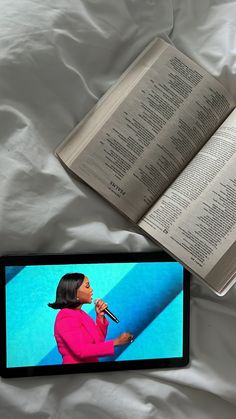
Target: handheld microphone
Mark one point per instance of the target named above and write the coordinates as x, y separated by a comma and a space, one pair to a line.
108, 312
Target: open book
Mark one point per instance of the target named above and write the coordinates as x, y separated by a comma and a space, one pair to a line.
160, 146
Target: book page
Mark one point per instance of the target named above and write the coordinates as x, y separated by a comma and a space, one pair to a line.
83, 133
151, 135
195, 219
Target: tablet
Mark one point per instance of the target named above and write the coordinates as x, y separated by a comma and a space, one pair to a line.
92, 312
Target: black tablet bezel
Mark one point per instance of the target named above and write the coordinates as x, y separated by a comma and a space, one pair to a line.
89, 367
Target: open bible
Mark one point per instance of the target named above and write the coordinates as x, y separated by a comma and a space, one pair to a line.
160, 146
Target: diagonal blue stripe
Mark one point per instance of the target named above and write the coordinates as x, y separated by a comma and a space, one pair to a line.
140, 296
12, 271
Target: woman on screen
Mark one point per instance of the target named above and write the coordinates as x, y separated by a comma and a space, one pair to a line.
79, 338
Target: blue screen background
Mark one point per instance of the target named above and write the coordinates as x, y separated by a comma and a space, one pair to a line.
146, 297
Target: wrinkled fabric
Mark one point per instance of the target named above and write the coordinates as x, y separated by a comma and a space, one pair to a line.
56, 61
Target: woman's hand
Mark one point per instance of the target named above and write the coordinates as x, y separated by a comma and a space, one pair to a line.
99, 308
123, 339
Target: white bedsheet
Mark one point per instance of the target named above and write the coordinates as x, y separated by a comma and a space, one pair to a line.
56, 60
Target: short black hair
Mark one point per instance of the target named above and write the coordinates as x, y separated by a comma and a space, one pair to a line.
66, 291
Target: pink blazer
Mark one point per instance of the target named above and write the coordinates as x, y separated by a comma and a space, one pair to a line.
79, 338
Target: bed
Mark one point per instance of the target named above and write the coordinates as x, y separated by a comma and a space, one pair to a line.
56, 60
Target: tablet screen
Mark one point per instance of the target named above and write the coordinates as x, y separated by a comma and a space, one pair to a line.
93, 313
